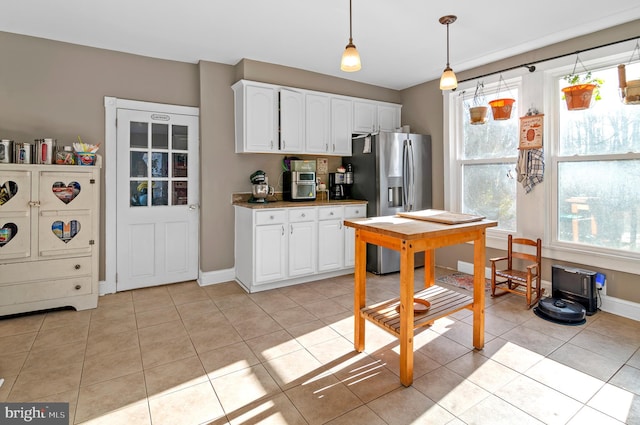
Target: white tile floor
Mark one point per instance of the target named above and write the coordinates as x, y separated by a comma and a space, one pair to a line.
182, 354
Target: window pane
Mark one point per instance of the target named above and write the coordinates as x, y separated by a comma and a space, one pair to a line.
179, 165
599, 203
607, 127
179, 137
160, 136
138, 164
179, 193
494, 138
159, 193
489, 191
159, 166
138, 193
138, 134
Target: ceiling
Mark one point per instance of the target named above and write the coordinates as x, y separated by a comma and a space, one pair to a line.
401, 42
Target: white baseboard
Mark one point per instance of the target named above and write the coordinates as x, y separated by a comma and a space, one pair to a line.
204, 279
105, 287
216, 276
611, 305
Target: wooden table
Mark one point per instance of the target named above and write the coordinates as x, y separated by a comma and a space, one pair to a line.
410, 236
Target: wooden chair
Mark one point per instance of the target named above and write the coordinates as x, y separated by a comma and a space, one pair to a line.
525, 281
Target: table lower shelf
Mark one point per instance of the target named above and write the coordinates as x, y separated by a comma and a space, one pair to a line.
443, 302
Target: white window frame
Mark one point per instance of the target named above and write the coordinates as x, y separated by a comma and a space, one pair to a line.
537, 211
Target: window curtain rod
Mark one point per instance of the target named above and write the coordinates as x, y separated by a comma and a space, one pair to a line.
531, 65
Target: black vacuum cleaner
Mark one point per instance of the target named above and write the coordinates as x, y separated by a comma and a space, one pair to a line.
561, 311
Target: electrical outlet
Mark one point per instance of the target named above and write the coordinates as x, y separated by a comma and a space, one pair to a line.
322, 165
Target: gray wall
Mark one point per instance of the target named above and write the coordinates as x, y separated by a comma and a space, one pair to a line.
54, 89
422, 109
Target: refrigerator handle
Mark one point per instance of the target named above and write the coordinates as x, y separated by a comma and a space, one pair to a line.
412, 183
405, 182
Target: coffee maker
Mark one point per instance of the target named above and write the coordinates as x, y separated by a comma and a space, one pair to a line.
337, 186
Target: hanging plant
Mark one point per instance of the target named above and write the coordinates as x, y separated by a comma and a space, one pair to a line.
478, 110
501, 107
629, 90
582, 89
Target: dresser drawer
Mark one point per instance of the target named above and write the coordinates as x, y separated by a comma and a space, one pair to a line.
329, 213
44, 290
45, 269
270, 217
302, 214
355, 211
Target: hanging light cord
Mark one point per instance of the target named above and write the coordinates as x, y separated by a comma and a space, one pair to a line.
350, 24
448, 44
530, 66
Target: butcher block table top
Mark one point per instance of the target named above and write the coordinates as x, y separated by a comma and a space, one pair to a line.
408, 236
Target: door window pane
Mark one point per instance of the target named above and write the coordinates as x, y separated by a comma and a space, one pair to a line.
138, 134
138, 164
179, 165
138, 193
159, 193
160, 136
159, 166
179, 193
179, 137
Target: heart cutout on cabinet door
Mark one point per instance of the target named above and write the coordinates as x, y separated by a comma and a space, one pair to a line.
65, 231
8, 190
7, 232
66, 193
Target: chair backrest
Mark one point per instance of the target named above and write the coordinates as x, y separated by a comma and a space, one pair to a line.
537, 258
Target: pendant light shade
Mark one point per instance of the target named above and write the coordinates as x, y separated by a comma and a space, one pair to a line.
448, 80
350, 58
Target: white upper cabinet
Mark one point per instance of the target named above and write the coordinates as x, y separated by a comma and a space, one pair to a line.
291, 121
341, 126
388, 117
371, 117
318, 123
276, 119
256, 113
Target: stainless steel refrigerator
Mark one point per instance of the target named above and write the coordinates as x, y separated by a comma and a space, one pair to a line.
392, 171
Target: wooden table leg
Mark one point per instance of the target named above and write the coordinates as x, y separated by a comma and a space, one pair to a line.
406, 313
359, 291
478, 290
429, 268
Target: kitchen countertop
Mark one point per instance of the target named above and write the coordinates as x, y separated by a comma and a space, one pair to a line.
279, 203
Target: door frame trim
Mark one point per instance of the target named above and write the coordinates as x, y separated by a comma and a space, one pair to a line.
111, 105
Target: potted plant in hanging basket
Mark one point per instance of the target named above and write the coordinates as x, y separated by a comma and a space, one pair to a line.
582, 89
501, 107
478, 110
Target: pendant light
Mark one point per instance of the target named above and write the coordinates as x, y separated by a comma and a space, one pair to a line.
350, 58
448, 80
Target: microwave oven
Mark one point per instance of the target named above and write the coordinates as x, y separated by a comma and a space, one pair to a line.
299, 186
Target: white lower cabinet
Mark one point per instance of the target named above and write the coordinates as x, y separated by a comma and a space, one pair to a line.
302, 241
330, 238
277, 247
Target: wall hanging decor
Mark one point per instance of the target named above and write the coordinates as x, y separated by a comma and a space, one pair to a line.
582, 89
501, 107
531, 129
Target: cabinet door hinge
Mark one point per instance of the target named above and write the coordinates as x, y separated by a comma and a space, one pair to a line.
92, 242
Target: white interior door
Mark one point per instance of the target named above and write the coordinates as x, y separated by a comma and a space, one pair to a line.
157, 198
